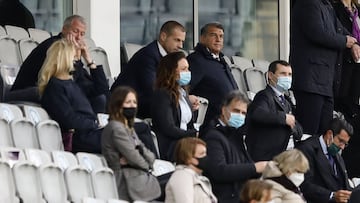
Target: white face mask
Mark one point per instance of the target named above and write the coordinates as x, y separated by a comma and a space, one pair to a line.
296, 178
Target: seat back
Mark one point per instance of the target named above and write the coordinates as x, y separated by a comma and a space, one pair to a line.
262, 65
204, 103
101, 58
49, 135
129, 50
78, 182
23, 133
237, 73
2, 31
27, 182
91, 161
53, 183
37, 157
38, 35
64, 159
35, 113
10, 112
7, 186
9, 52
92, 200
255, 81
104, 184
90, 43
7, 78
16, 32
6, 137
241, 62
26, 46
162, 167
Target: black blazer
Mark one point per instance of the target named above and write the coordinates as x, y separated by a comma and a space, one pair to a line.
166, 118
210, 78
229, 164
320, 180
268, 134
140, 74
316, 42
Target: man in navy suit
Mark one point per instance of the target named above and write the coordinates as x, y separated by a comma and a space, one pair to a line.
140, 72
211, 77
317, 40
327, 179
269, 119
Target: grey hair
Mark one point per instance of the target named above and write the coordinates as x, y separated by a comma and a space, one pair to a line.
69, 20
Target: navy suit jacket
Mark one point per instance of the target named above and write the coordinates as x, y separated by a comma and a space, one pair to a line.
210, 78
317, 39
268, 134
140, 74
321, 180
166, 118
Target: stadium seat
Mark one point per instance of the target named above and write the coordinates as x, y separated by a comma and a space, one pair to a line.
117, 201
255, 81
129, 50
237, 73
263, 65
7, 186
26, 46
162, 167
78, 182
92, 200
37, 156
104, 184
204, 103
100, 57
53, 183
16, 32
242, 62
24, 134
9, 52
90, 43
91, 161
7, 77
38, 35
27, 182
64, 159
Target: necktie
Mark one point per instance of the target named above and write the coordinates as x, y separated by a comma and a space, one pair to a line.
332, 163
282, 100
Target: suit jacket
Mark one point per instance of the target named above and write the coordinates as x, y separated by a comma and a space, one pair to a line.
118, 141
321, 180
210, 78
166, 118
268, 134
317, 39
229, 164
140, 74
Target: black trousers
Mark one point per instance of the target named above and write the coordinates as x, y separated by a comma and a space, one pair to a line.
313, 111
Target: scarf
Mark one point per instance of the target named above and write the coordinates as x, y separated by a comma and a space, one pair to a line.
355, 26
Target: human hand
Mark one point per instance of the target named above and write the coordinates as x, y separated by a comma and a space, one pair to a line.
194, 100
123, 161
260, 166
290, 120
355, 51
350, 41
342, 196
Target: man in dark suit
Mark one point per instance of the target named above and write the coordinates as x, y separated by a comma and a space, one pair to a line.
317, 40
140, 72
211, 77
327, 179
270, 120
229, 165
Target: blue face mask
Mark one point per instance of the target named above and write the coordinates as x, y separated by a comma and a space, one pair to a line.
283, 83
236, 120
185, 77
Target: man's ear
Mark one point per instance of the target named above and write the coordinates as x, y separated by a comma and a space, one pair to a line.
328, 136
163, 36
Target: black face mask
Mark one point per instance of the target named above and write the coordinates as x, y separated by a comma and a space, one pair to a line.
202, 163
129, 113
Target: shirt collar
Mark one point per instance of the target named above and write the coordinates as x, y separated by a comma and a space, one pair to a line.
323, 145
161, 49
215, 56
277, 92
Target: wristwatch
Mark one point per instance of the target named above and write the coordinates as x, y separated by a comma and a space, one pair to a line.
91, 63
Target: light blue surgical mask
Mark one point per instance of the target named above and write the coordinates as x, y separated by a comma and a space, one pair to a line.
185, 77
283, 83
236, 120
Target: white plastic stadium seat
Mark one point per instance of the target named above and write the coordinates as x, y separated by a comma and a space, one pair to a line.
104, 184
37, 156
78, 182
7, 186
91, 161
26, 46
16, 32
38, 35
64, 159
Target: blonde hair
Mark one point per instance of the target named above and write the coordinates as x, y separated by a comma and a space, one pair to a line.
59, 60
292, 161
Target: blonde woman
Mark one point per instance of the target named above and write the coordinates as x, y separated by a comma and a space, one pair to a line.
66, 102
286, 173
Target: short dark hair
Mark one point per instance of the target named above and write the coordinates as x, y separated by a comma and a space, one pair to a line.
115, 106
338, 124
170, 25
205, 28
185, 149
273, 65
235, 95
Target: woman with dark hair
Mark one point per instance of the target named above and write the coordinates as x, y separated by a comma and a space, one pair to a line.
187, 185
171, 110
121, 146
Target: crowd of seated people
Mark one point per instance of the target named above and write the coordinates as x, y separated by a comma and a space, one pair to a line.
227, 154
